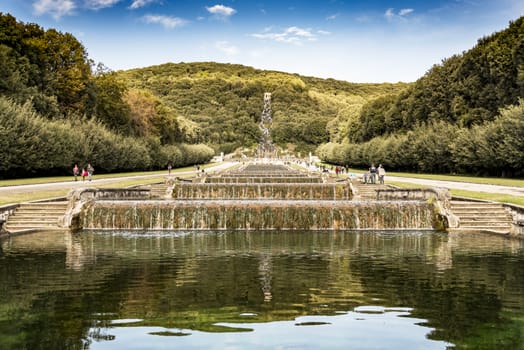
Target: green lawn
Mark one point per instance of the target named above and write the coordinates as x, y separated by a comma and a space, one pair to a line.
459, 178
495, 197
39, 180
36, 195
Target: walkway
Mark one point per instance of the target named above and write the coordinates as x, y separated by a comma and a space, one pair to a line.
509, 190
53, 186
514, 191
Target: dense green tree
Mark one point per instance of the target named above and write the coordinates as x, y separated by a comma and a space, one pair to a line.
52, 63
467, 89
110, 106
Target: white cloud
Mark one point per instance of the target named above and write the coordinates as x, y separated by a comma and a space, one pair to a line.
333, 17
221, 11
226, 47
100, 4
166, 21
56, 8
290, 35
391, 15
405, 12
140, 3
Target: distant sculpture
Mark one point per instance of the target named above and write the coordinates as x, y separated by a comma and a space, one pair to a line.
265, 146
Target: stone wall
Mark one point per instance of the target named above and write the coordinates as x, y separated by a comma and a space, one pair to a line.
517, 226
439, 197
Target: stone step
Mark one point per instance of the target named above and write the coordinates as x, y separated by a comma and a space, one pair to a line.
35, 216
502, 217
478, 222
502, 230
489, 213
475, 205
37, 204
31, 224
25, 211
50, 219
13, 218
480, 216
42, 208
478, 209
15, 228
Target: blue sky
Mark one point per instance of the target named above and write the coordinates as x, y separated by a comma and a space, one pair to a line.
356, 41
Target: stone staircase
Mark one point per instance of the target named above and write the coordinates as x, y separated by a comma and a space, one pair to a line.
36, 216
367, 191
158, 190
481, 216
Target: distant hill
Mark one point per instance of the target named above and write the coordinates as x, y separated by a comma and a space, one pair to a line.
221, 104
466, 89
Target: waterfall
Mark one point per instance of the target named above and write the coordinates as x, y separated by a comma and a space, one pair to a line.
257, 215
266, 149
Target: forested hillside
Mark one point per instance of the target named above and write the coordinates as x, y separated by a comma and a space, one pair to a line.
58, 109
221, 104
463, 115
66, 109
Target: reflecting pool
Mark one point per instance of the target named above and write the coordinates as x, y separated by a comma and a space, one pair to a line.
261, 290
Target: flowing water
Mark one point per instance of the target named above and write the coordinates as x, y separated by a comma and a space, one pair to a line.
261, 290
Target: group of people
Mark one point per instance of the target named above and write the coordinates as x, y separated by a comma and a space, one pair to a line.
374, 173
87, 171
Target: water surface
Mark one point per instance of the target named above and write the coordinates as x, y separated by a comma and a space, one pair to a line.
261, 290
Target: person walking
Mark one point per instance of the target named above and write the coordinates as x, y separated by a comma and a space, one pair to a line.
76, 171
84, 174
381, 174
90, 171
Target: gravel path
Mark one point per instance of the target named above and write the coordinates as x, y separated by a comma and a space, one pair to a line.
514, 191
53, 186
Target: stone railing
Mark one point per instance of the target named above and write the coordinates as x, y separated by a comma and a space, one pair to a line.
517, 225
78, 197
112, 193
5, 211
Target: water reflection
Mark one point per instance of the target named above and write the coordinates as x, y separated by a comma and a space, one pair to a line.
355, 329
260, 289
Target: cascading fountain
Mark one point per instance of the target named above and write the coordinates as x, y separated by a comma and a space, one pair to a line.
266, 149
256, 206
261, 196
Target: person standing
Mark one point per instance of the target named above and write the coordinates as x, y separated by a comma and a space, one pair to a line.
84, 174
76, 171
373, 174
90, 171
381, 174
